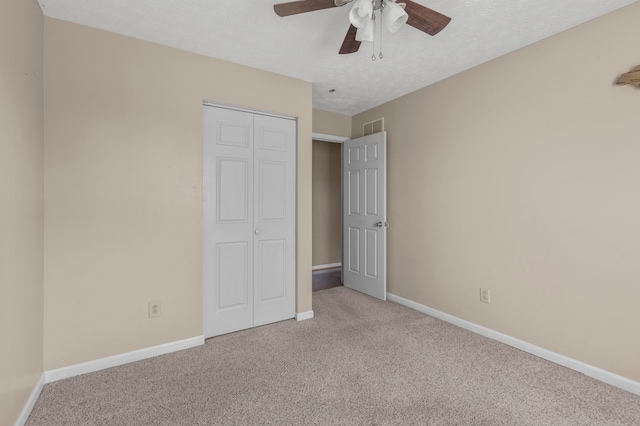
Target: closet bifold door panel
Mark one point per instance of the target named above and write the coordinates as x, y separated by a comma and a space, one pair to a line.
274, 219
228, 258
249, 220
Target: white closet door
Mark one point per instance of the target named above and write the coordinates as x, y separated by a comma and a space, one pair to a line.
249, 220
274, 213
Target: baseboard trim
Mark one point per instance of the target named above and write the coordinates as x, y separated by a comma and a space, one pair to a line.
579, 366
31, 402
301, 316
121, 359
327, 266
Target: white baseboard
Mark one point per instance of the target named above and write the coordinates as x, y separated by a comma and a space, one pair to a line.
301, 316
31, 402
125, 358
327, 266
586, 369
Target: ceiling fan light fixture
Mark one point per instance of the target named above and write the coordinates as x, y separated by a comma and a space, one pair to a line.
366, 33
361, 13
394, 16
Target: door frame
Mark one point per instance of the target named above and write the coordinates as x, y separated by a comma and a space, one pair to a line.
208, 213
340, 140
320, 137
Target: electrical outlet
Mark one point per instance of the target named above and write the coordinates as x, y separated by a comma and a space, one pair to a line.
154, 309
485, 295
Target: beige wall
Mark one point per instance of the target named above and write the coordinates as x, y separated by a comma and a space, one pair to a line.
521, 176
124, 187
331, 123
327, 210
21, 195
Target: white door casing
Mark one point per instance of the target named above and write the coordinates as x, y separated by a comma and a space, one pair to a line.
364, 191
249, 220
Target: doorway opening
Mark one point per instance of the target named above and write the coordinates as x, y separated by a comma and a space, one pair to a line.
327, 212
363, 213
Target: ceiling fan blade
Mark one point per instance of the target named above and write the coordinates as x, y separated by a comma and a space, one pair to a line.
350, 44
301, 6
425, 19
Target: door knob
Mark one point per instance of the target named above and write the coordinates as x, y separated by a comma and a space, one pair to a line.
381, 224
257, 232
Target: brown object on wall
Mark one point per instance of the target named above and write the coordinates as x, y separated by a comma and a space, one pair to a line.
632, 77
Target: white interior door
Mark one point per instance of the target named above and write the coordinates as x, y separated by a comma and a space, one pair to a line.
249, 220
364, 189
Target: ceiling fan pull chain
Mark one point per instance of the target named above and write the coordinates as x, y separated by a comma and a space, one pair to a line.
373, 43
381, 10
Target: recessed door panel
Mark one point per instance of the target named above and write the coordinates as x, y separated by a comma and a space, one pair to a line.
371, 151
233, 134
353, 155
272, 178
273, 139
371, 191
371, 252
271, 276
232, 192
233, 282
353, 190
354, 250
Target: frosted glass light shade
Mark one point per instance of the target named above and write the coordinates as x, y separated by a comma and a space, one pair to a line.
366, 33
361, 12
394, 17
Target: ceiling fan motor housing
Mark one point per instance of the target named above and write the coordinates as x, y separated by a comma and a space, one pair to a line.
377, 4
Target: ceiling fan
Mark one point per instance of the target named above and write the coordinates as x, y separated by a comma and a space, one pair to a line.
414, 14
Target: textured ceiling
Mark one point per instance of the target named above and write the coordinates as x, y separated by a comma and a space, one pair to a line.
306, 46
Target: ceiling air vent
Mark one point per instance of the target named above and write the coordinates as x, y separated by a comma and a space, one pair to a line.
375, 126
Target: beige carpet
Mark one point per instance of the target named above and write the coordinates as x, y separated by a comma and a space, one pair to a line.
359, 362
